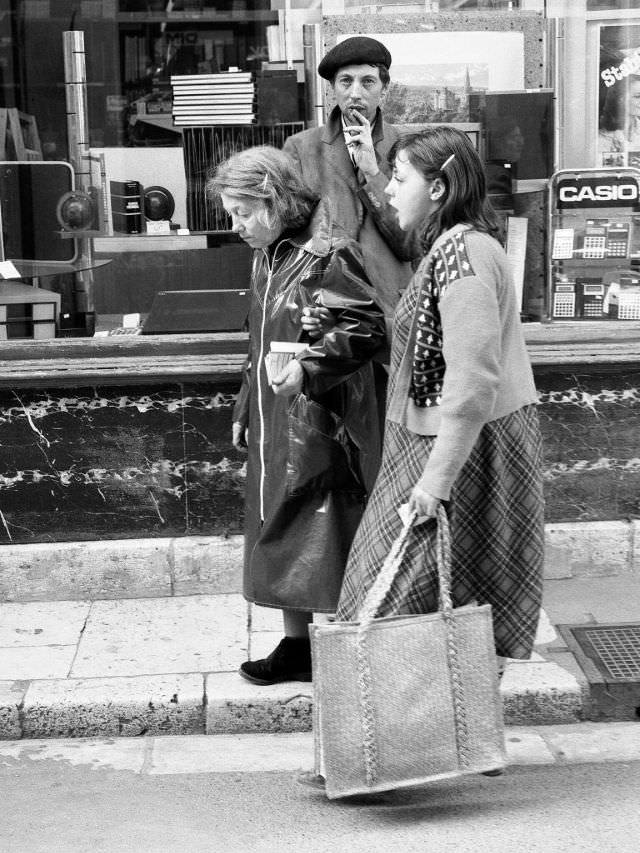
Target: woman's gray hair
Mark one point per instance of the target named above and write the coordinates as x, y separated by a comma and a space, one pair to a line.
269, 175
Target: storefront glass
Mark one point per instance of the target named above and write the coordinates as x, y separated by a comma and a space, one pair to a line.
581, 114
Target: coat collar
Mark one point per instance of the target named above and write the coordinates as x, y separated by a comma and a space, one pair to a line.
316, 236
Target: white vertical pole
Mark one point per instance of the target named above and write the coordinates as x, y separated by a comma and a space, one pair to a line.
78, 136
288, 50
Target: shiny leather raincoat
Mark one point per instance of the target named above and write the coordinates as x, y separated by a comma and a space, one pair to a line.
312, 457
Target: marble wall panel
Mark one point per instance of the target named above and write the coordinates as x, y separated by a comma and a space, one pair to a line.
591, 429
118, 462
144, 461
214, 471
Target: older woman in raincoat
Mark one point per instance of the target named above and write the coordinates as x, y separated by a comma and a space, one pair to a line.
311, 432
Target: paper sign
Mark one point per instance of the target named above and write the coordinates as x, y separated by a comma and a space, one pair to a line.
517, 251
130, 321
162, 226
8, 270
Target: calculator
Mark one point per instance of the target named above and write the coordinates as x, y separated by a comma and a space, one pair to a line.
634, 241
563, 243
595, 238
595, 245
592, 299
618, 240
564, 300
629, 306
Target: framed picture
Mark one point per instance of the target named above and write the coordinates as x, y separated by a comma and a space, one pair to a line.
618, 142
520, 136
339, 6
473, 129
442, 77
610, 5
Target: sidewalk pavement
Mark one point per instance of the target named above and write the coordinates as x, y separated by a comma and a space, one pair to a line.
254, 753
168, 665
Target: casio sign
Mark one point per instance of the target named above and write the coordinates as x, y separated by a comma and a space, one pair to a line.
596, 192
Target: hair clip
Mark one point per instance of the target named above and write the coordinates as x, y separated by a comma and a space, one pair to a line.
446, 162
265, 183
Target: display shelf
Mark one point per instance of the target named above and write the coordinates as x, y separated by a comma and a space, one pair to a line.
204, 16
122, 360
594, 245
115, 243
42, 269
607, 344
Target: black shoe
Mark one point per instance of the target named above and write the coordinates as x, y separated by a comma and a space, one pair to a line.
289, 661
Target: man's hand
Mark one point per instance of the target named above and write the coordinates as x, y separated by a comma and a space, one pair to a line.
289, 380
317, 321
364, 154
239, 436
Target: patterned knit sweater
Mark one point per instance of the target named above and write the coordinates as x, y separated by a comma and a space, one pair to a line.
465, 363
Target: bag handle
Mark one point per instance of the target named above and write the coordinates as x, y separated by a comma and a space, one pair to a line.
393, 561
367, 614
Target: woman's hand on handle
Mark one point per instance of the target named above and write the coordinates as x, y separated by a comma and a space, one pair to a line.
424, 504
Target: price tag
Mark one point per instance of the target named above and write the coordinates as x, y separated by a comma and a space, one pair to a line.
162, 226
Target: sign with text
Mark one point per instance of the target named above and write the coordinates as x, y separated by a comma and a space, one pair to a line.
601, 191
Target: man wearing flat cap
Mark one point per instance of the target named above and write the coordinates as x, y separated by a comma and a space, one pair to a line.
345, 160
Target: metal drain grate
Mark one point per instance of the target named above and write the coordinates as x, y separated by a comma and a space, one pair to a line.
609, 656
615, 649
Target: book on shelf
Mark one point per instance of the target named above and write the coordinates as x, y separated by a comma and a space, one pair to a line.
240, 98
250, 93
203, 121
219, 77
213, 109
126, 206
226, 88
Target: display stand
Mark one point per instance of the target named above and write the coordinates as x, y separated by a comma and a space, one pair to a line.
22, 130
594, 245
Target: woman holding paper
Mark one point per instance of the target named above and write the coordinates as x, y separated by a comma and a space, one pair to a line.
461, 425
309, 427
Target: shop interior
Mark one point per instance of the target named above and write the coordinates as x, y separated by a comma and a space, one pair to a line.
114, 112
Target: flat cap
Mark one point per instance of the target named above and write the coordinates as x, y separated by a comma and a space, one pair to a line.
358, 50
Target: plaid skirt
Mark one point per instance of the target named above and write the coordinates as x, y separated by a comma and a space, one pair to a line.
496, 516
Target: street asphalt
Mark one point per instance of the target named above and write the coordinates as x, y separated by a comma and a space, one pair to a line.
568, 789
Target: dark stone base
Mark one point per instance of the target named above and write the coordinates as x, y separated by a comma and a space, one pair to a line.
157, 460
107, 463
591, 430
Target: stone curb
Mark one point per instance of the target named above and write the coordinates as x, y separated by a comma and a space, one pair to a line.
253, 753
119, 706
161, 756
191, 565
121, 568
534, 693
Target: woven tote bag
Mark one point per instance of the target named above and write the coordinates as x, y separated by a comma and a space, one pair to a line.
404, 700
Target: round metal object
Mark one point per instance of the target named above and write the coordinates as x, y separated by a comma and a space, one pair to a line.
159, 204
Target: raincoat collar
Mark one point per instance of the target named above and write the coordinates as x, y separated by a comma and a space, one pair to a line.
316, 236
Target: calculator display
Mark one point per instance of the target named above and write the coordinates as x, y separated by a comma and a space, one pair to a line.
618, 240
564, 300
595, 240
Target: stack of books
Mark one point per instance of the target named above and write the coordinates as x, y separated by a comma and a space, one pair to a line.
208, 99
